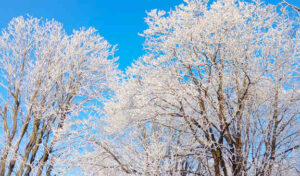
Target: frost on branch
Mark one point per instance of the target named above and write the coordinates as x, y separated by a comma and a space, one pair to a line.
216, 94
50, 82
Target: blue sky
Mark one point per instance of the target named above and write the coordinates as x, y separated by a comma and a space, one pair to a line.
118, 21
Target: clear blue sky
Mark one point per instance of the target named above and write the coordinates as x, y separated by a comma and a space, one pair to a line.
118, 21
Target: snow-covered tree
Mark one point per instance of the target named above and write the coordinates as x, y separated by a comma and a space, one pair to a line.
216, 94
50, 83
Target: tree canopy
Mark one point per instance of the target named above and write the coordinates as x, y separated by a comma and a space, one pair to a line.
216, 93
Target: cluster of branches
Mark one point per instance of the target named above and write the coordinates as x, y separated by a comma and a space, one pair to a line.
47, 79
217, 93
